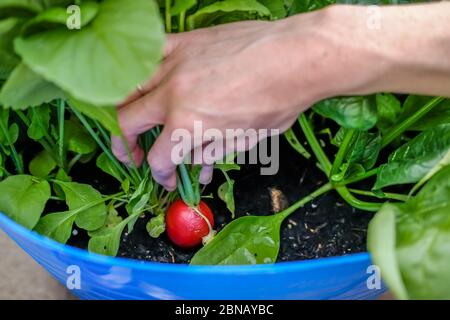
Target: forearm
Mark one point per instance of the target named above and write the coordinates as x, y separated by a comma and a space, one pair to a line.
416, 43
404, 49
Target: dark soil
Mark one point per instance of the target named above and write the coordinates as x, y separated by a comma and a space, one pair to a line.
323, 228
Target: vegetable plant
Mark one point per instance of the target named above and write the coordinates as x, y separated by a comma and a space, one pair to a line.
59, 87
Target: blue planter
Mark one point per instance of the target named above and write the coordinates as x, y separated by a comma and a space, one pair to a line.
117, 278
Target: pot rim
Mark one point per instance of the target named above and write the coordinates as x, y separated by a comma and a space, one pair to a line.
148, 266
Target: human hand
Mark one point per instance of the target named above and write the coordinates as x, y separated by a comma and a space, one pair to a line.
250, 75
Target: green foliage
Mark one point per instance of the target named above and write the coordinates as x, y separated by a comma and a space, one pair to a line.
247, 240
23, 199
227, 11
412, 161
350, 112
411, 242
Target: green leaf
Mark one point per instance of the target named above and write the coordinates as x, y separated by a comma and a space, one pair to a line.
9, 29
276, 8
350, 112
77, 139
364, 149
388, 108
107, 241
23, 199
412, 161
19, 8
437, 116
112, 220
106, 60
40, 120
381, 243
57, 226
295, 143
79, 196
25, 88
422, 242
180, 6
156, 226
57, 17
42, 165
217, 13
226, 194
247, 240
105, 164
107, 116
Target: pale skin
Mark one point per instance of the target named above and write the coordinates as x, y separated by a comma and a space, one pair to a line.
259, 75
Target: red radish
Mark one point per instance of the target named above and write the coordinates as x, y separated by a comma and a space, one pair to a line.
187, 226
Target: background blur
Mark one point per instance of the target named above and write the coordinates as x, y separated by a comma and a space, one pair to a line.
22, 278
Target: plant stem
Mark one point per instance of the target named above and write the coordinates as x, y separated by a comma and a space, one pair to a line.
61, 111
326, 165
314, 143
100, 143
392, 196
403, 126
342, 152
46, 142
361, 177
168, 16
190, 197
322, 190
15, 156
182, 21
356, 203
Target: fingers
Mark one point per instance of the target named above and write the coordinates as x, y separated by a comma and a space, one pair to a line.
206, 174
135, 119
163, 161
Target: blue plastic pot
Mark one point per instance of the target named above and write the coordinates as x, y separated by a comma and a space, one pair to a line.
117, 278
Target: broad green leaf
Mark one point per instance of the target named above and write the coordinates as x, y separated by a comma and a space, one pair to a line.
388, 108
107, 116
180, 6
445, 161
79, 196
25, 88
247, 240
106, 60
105, 164
112, 220
216, 13
364, 149
77, 139
300, 6
138, 201
42, 164
350, 112
57, 226
276, 8
107, 241
40, 119
57, 17
437, 116
9, 29
156, 226
412, 161
19, 8
423, 240
381, 243
23, 199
